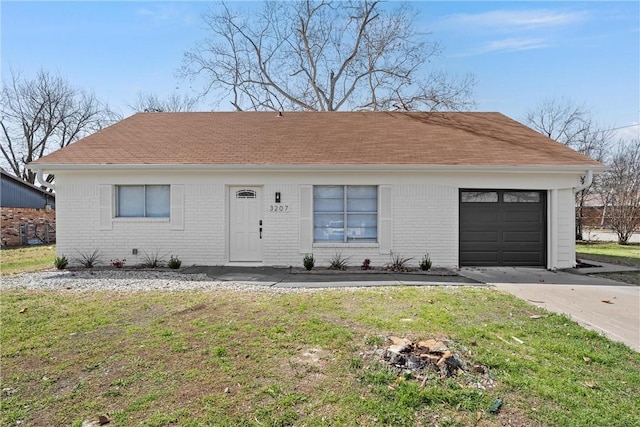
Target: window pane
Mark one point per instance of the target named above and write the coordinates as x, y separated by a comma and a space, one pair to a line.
362, 205
328, 198
328, 205
362, 227
479, 197
521, 197
328, 227
361, 198
158, 201
362, 192
245, 194
328, 191
131, 200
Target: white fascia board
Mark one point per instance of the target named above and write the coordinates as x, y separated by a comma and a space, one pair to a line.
52, 167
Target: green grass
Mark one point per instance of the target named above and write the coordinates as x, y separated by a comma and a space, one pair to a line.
613, 253
25, 259
235, 358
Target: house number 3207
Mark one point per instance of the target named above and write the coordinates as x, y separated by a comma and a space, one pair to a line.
279, 208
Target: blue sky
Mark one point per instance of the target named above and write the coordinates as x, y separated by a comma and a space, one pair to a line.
520, 52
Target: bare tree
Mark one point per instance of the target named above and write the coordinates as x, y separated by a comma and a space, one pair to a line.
323, 56
572, 125
175, 102
43, 114
621, 190
560, 119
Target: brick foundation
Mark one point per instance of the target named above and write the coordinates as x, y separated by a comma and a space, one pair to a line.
20, 226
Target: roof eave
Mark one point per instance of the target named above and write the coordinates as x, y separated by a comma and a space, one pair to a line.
52, 167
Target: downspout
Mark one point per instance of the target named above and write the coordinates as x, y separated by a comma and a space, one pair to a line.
588, 180
42, 181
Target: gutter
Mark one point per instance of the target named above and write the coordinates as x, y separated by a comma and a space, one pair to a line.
588, 180
316, 167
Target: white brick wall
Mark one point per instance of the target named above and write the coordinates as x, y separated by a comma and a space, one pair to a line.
433, 212
425, 215
566, 229
280, 229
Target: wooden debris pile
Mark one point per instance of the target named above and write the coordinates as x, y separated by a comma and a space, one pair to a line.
432, 359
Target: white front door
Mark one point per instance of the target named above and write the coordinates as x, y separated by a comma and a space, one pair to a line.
245, 224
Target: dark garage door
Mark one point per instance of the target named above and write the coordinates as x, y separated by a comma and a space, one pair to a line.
503, 228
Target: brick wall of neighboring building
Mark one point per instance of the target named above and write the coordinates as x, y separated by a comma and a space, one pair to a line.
21, 225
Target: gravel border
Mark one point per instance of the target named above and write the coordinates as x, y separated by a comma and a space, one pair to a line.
130, 281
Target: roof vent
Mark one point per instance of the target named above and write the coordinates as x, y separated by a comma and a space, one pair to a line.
279, 113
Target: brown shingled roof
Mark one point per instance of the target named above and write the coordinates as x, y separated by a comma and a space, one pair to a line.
318, 138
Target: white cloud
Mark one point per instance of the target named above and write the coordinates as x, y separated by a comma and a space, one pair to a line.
510, 20
628, 133
512, 30
513, 45
165, 13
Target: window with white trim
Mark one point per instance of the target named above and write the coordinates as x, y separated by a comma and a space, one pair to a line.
143, 201
345, 213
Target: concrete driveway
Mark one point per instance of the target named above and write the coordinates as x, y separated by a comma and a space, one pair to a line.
603, 305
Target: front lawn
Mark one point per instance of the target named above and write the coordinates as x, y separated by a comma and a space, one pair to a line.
30, 258
232, 358
613, 253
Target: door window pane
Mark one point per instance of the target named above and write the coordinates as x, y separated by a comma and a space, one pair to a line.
479, 197
521, 197
246, 194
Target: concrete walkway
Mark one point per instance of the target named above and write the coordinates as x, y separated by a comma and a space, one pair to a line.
297, 278
603, 305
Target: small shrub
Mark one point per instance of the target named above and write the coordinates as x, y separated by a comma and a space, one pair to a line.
61, 262
153, 260
89, 259
366, 264
338, 262
398, 263
425, 263
174, 262
308, 261
118, 263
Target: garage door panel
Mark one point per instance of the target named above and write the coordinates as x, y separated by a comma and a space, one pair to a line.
481, 247
521, 258
482, 216
524, 237
483, 258
511, 230
522, 216
480, 236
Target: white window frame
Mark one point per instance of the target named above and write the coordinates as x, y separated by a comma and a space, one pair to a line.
145, 204
346, 238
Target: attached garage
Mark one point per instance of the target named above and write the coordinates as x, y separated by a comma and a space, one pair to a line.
503, 227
